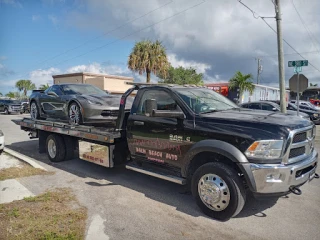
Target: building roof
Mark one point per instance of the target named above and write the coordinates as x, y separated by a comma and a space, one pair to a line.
91, 74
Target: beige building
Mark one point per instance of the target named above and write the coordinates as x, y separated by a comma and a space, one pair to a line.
113, 84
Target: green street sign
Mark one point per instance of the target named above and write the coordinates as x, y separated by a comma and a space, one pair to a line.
298, 63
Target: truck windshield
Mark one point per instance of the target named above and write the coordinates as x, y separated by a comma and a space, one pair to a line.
204, 100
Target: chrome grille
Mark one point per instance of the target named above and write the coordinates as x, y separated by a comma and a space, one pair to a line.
301, 145
299, 137
295, 152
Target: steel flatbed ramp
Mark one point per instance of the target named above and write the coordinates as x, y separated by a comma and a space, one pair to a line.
99, 134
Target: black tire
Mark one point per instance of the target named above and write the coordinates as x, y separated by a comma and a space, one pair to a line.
236, 190
59, 153
1, 151
34, 113
73, 119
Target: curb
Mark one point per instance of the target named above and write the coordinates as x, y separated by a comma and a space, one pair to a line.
24, 158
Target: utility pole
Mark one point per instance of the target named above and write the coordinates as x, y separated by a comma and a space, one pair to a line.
259, 70
280, 57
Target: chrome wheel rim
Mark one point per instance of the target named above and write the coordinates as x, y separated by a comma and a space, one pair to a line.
33, 111
52, 148
214, 192
74, 114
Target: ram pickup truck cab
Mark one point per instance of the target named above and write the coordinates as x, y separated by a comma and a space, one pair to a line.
195, 137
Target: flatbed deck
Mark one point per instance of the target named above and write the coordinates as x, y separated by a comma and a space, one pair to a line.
99, 134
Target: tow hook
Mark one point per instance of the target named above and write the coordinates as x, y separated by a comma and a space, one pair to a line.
316, 175
295, 190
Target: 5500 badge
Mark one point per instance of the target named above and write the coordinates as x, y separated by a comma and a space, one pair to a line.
177, 138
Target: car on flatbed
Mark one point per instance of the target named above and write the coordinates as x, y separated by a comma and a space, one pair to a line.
75, 103
197, 138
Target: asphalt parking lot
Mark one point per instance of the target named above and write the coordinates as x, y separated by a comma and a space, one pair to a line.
136, 206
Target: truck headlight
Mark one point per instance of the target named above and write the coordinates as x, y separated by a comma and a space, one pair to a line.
267, 149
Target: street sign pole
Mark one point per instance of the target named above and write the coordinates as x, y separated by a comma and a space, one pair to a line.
298, 93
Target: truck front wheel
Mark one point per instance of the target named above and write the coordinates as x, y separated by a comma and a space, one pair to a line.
56, 149
218, 190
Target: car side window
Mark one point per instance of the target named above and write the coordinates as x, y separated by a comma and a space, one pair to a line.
57, 90
47, 90
267, 107
164, 101
244, 105
303, 107
255, 106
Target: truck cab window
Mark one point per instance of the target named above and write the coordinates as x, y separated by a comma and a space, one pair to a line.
164, 101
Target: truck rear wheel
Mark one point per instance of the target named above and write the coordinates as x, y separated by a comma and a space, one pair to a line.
56, 148
218, 190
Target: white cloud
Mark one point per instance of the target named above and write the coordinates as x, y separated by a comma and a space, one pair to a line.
14, 3
53, 19
4, 71
200, 67
220, 34
99, 68
43, 76
36, 18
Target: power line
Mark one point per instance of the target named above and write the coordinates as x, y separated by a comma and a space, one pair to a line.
128, 35
289, 44
275, 55
263, 19
306, 27
106, 33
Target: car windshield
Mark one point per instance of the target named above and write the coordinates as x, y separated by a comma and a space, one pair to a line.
12, 101
73, 89
204, 100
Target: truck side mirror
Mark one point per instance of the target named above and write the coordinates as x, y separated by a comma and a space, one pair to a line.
150, 105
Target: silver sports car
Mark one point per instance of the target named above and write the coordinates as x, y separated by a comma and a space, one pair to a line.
77, 103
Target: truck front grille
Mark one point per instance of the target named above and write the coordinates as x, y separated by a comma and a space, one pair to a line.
295, 152
300, 137
301, 146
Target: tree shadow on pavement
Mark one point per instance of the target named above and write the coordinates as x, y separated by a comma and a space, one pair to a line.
153, 188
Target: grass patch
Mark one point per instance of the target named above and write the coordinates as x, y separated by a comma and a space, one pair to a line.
52, 215
24, 171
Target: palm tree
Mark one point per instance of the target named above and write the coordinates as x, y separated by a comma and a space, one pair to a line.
149, 57
44, 86
241, 81
10, 95
25, 86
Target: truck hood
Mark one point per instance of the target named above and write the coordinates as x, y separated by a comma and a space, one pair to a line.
242, 115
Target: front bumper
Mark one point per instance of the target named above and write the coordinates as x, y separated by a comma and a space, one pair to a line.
278, 178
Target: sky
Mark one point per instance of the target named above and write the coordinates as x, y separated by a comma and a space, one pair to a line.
41, 38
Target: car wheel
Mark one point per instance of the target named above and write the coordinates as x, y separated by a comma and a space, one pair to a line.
218, 190
74, 114
6, 111
34, 110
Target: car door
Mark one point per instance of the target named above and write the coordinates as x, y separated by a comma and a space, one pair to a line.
256, 106
1, 105
52, 102
156, 139
267, 107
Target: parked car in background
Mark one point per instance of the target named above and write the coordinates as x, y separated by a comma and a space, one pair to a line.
25, 108
313, 113
8, 106
308, 104
270, 106
1, 141
77, 103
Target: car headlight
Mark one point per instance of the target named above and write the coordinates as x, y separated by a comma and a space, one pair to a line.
267, 149
315, 114
93, 102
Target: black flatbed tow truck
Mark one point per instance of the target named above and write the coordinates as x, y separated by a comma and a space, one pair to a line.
197, 138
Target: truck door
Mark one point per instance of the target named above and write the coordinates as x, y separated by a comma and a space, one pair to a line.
156, 139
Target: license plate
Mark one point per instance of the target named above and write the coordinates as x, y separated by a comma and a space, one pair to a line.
312, 174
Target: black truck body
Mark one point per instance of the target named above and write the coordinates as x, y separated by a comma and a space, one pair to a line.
217, 154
